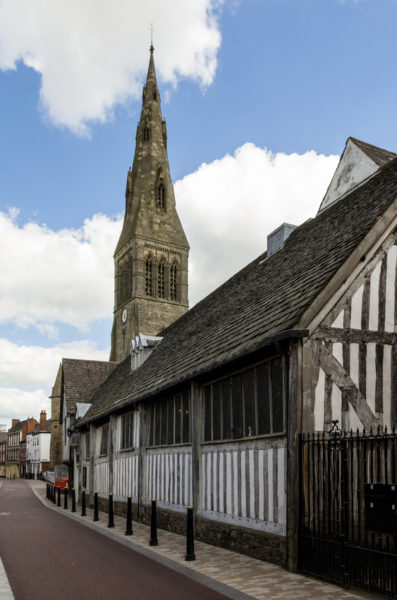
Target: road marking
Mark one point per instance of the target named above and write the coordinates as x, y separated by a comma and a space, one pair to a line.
5, 588
4, 514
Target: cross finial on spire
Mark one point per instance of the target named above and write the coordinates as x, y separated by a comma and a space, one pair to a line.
151, 38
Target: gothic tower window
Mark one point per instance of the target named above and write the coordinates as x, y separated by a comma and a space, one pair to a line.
146, 133
161, 279
161, 195
173, 281
149, 276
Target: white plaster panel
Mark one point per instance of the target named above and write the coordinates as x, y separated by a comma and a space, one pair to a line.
336, 403
246, 471
371, 375
339, 320
319, 398
281, 486
390, 289
243, 489
354, 167
354, 422
374, 299
354, 373
270, 483
356, 308
387, 384
337, 351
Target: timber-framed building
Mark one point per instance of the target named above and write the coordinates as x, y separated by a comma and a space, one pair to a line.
208, 413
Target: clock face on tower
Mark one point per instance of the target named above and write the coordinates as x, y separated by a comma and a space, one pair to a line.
124, 315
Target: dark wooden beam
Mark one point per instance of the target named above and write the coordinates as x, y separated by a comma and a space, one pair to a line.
337, 373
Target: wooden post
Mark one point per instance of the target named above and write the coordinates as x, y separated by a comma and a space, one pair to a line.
294, 420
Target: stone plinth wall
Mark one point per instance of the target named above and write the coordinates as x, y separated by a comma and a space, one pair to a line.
258, 544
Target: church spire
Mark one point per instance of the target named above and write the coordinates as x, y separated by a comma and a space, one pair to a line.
151, 257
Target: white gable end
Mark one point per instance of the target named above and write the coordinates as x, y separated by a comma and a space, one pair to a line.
353, 168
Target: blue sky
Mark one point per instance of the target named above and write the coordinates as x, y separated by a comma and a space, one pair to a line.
259, 98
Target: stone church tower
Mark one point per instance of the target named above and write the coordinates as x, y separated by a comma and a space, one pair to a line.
151, 258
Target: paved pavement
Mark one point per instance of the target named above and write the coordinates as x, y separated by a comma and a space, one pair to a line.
5, 588
216, 567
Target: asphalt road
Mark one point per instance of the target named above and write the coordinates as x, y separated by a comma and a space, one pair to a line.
48, 556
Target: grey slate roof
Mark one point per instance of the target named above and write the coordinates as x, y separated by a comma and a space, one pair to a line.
378, 155
82, 377
268, 296
47, 430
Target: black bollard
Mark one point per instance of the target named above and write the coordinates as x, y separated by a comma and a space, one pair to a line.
128, 530
54, 494
96, 517
59, 496
153, 526
46, 495
65, 498
189, 535
83, 512
111, 518
73, 500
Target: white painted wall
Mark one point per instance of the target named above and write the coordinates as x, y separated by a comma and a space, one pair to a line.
354, 166
245, 483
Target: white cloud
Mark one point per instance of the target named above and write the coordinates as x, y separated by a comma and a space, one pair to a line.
92, 54
21, 404
57, 276
27, 374
229, 206
35, 366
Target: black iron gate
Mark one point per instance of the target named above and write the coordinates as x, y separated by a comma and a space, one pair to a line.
348, 509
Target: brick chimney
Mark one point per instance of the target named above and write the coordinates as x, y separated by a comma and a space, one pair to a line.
43, 419
14, 422
29, 426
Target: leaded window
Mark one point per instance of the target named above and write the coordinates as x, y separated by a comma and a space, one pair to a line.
173, 281
246, 404
127, 431
170, 421
161, 279
161, 195
104, 440
149, 276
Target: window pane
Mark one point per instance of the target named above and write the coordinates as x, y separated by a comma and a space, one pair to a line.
178, 418
170, 421
237, 407
163, 428
151, 426
276, 374
262, 390
216, 411
157, 425
207, 414
226, 410
249, 403
186, 419
104, 439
